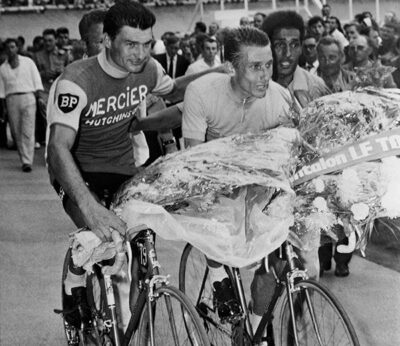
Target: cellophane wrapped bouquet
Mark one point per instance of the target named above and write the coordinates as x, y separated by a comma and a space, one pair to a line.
362, 190
229, 197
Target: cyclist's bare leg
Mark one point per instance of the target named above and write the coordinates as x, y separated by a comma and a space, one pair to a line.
227, 305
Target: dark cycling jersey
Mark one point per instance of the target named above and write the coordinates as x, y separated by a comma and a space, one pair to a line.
99, 102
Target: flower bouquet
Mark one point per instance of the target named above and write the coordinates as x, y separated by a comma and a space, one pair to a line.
348, 173
230, 197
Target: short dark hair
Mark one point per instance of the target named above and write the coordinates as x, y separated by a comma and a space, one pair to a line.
21, 40
329, 40
37, 39
308, 35
171, 39
260, 14
49, 32
202, 27
283, 20
355, 24
208, 39
9, 40
62, 30
314, 20
326, 5
236, 38
130, 13
89, 19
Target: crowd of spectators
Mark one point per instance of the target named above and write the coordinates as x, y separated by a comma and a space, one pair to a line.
89, 4
326, 57
361, 43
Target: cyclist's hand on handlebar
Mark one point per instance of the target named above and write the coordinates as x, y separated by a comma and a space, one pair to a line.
102, 221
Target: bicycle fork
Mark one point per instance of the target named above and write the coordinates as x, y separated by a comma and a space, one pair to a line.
293, 275
111, 305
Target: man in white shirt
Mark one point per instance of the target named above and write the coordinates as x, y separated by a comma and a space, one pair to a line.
19, 82
209, 49
335, 33
219, 105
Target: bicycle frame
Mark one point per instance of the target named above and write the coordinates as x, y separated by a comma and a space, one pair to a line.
285, 281
145, 242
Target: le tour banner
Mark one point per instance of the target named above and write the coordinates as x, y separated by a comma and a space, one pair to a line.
368, 149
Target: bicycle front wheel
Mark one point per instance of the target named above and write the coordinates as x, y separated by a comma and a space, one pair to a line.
194, 281
319, 318
174, 321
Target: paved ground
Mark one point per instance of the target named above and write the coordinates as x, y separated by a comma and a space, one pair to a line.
33, 238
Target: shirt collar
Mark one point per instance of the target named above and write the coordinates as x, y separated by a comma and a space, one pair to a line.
299, 81
108, 68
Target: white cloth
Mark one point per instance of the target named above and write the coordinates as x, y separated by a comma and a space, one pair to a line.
313, 69
25, 78
200, 66
336, 34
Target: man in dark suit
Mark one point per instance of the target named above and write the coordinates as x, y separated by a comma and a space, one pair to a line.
174, 64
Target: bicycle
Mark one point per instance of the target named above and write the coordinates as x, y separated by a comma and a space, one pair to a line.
307, 312
161, 315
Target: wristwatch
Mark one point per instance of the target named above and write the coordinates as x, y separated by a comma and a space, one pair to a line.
169, 141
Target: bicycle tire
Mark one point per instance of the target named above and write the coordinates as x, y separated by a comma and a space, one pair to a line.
184, 327
194, 281
97, 302
331, 320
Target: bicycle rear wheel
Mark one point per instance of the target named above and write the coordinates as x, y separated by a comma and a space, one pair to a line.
320, 319
195, 282
175, 321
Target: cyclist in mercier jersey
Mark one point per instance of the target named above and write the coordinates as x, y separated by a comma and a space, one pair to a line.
90, 150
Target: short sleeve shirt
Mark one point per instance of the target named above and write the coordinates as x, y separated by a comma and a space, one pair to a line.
100, 102
212, 110
306, 81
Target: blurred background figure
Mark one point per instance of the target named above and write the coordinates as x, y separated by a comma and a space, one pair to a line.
209, 50
213, 29
351, 30
258, 19
336, 31
309, 58
91, 31
174, 64
50, 62
360, 50
200, 28
316, 27
19, 83
331, 59
325, 12
244, 21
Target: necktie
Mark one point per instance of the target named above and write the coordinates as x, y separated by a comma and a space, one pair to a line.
309, 67
171, 67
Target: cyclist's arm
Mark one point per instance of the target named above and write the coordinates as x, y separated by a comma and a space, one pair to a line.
64, 123
194, 119
63, 167
177, 90
168, 118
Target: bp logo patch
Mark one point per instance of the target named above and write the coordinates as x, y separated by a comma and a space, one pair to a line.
67, 102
